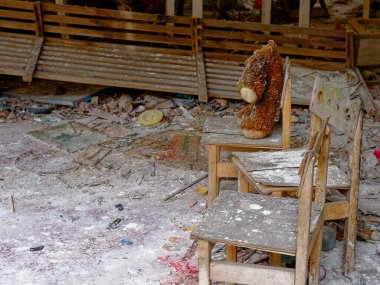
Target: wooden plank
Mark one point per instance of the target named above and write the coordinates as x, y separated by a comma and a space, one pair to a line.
356, 26
335, 211
197, 6
350, 50
266, 11
281, 49
85, 71
127, 64
118, 50
368, 54
366, 8
16, 25
304, 13
336, 178
226, 170
122, 25
251, 274
286, 115
115, 83
38, 23
33, 59
273, 28
253, 221
16, 15
284, 39
201, 74
111, 69
119, 58
350, 229
170, 7
24, 5
117, 35
107, 13
315, 257
119, 63
303, 228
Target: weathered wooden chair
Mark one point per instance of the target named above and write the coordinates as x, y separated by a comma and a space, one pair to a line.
276, 172
272, 224
224, 134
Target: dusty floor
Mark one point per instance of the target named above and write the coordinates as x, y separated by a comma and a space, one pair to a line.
69, 208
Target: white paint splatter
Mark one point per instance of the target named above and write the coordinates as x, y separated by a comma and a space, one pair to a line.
238, 219
266, 212
255, 207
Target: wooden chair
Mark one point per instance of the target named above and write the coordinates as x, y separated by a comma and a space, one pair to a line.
276, 172
224, 134
272, 224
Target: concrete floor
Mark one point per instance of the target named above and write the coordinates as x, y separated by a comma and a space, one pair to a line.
68, 213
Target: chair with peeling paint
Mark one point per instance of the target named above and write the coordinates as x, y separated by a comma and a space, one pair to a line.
224, 134
275, 173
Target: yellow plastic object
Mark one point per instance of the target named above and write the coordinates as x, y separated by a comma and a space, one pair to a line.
201, 191
150, 117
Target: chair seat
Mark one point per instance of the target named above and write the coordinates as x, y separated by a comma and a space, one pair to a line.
280, 168
255, 221
226, 132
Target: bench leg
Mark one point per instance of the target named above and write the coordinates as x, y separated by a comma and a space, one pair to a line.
213, 184
204, 260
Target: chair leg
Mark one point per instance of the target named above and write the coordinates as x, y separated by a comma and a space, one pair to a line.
243, 185
350, 233
213, 184
204, 259
315, 257
231, 256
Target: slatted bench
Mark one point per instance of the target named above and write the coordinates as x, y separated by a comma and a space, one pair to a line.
151, 52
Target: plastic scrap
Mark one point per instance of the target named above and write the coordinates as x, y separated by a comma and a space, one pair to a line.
114, 224
36, 248
126, 241
39, 109
120, 207
150, 117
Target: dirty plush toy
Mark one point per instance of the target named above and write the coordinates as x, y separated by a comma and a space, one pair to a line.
261, 86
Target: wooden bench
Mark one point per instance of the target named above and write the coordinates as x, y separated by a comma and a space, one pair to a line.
150, 52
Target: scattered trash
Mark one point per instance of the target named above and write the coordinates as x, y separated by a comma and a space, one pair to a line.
104, 115
189, 228
114, 224
170, 195
39, 109
192, 203
36, 248
174, 244
201, 191
92, 155
150, 117
369, 75
120, 207
378, 248
186, 113
126, 241
329, 238
73, 136
322, 272
356, 278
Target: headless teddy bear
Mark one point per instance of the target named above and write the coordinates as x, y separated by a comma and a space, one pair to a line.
261, 86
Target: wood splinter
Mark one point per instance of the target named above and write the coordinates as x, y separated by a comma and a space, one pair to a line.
11, 203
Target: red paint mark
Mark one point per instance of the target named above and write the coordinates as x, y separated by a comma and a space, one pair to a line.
184, 267
163, 258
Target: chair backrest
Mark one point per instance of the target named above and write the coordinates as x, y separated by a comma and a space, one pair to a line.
329, 107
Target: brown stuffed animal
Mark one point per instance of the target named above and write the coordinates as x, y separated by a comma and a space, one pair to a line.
261, 86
